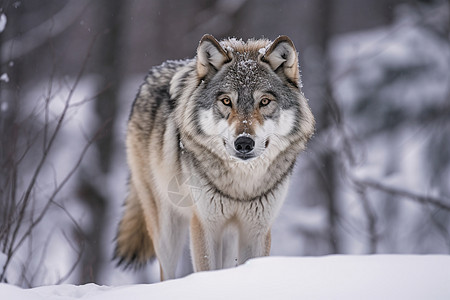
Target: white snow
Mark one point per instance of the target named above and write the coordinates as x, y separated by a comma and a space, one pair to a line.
4, 106
4, 77
329, 277
3, 21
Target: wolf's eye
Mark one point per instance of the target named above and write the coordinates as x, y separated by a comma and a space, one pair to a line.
226, 101
264, 102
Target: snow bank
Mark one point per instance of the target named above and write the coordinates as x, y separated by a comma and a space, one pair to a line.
329, 277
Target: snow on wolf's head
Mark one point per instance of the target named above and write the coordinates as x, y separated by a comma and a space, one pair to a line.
248, 99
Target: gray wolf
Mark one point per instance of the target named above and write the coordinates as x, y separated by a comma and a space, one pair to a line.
234, 118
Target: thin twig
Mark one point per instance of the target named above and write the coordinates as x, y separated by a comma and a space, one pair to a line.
371, 218
79, 251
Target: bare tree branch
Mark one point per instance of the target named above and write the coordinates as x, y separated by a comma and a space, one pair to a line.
371, 218
441, 203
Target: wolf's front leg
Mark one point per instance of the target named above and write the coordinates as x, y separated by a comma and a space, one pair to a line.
169, 244
206, 245
254, 244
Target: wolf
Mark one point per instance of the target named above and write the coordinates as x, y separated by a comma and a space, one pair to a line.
235, 119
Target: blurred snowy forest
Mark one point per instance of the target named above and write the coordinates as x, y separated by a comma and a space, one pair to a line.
374, 179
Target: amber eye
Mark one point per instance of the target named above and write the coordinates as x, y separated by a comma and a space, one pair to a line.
264, 102
226, 101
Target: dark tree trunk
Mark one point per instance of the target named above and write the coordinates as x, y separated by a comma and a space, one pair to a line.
327, 117
92, 190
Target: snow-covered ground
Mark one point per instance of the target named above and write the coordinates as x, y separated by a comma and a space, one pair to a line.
329, 277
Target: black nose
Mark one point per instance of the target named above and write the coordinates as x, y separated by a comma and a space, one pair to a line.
244, 144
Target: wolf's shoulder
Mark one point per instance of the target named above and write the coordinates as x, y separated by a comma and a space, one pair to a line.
162, 74
154, 96
156, 85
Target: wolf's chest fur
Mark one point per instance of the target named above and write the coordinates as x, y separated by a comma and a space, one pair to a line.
235, 118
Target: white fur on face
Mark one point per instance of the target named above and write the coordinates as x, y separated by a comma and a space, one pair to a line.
286, 122
209, 126
263, 134
216, 131
273, 132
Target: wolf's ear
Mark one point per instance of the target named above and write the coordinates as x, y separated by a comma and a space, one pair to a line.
282, 54
210, 55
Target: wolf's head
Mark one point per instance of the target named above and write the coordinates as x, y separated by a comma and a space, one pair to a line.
248, 101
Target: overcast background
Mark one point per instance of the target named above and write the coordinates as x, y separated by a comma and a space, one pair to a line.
374, 179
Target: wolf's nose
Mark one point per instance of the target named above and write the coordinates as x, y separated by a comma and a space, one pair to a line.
244, 144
